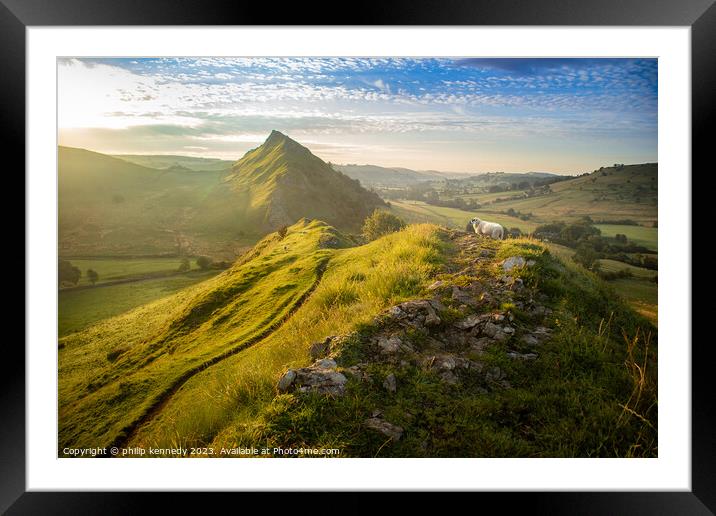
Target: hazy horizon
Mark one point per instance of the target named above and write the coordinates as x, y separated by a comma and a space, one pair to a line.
564, 116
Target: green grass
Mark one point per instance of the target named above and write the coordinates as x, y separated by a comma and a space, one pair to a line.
640, 235
221, 404
112, 207
113, 269
113, 373
641, 294
637, 272
78, 309
418, 211
584, 397
610, 194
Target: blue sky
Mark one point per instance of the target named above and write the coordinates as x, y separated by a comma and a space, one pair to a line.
463, 115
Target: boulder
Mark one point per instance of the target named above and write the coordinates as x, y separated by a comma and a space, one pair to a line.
469, 322
390, 383
326, 363
384, 427
491, 329
286, 381
513, 261
522, 356
320, 380
389, 345
479, 345
530, 339
320, 377
463, 297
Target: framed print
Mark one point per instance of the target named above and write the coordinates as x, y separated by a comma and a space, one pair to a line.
425, 255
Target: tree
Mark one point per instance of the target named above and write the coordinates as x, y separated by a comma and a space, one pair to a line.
282, 231
381, 223
92, 276
586, 256
184, 266
203, 262
68, 273
621, 238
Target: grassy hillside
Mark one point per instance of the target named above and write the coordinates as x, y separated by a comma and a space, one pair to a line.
577, 393
113, 373
112, 207
373, 175
588, 390
163, 161
418, 211
80, 308
358, 284
281, 181
612, 193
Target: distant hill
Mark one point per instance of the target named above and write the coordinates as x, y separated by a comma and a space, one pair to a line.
162, 161
373, 175
110, 206
617, 193
282, 181
376, 176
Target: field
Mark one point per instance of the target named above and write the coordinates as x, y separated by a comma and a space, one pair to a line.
121, 368
114, 269
640, 235
642, 295
418, 211
640, 292
610, 194
78, 309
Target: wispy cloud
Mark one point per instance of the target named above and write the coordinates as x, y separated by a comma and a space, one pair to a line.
209, 104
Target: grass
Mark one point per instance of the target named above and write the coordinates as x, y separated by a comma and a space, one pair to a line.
220, 405
642, 295
637, 272
113, 373
640, 235
591, 393
78, 309
639, 292
113, 269
418, 211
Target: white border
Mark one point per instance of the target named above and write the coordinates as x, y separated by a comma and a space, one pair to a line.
671, 471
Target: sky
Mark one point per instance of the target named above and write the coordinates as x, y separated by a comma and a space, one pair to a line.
563, 116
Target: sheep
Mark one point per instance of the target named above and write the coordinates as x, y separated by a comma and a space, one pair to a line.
491, 229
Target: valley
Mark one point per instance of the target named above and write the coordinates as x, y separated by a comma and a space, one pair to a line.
299, 330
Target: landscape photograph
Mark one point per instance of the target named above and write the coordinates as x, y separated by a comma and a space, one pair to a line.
357, 257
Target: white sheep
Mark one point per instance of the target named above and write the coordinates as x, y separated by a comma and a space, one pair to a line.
491, 229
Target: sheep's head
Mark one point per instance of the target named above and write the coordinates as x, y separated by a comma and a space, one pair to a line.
474, 221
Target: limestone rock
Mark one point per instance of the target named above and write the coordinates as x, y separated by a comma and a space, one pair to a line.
384, 427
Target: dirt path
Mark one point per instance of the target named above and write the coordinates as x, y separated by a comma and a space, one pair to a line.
129, 431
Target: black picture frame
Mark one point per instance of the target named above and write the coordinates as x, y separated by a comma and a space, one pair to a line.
700, 15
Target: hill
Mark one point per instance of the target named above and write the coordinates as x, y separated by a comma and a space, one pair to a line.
373, 175
113, 207
109, 206
376, 176
425, 342
282, 181
165, 161
624, 192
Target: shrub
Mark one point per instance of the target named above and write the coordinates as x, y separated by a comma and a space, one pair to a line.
66, 272
203, 262
184, 266
92, 276
381, 223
